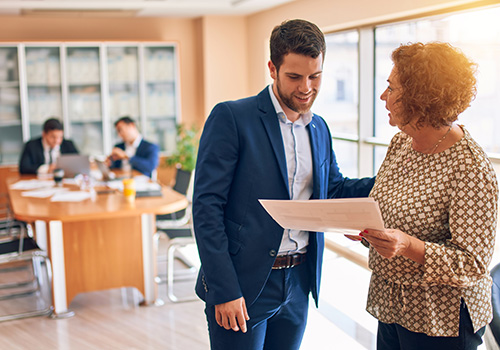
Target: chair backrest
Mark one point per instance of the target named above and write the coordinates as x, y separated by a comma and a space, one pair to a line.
182, 179
495, 299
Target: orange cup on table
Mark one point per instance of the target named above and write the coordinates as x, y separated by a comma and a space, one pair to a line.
129, 190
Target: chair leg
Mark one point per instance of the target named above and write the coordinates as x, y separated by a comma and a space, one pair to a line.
43, 276
172, 276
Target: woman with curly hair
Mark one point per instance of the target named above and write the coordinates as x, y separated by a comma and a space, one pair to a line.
437, 190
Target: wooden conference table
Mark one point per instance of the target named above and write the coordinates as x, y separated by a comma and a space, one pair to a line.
97, 244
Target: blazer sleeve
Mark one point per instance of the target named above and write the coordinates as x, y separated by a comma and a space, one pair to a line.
30, 158
117, 164
146, 158
338, 185
68, 147
215, 168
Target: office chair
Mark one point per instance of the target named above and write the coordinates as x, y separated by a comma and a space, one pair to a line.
177, 230
492, 334
180, 218
25, 274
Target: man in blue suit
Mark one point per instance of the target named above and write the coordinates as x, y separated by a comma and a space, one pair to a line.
135, 152
256, 277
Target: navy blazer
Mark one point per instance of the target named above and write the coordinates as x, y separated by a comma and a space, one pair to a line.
145, 160
241, 159
32, 156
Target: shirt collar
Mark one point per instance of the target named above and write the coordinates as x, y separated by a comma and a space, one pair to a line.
47, 148
136, 142
304, 119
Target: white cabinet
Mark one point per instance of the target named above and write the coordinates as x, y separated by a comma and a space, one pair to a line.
88, 86
11, 140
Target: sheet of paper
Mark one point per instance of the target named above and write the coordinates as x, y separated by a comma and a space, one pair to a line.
326, 215
32, 184
43, 193
147, 186
71, 196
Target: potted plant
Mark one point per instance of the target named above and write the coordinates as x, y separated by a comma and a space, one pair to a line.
184, 157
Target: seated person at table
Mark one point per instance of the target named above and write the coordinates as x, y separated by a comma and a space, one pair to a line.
40, 155
140, 154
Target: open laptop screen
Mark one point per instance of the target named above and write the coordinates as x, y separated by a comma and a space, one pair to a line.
74, 164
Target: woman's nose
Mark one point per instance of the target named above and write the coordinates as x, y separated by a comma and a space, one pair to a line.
384, 95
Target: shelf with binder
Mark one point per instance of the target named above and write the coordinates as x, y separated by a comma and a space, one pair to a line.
82, 65
44, 90
87, 136
9, 84
160, 100
11, 134
162, 131
9, 122
44, 102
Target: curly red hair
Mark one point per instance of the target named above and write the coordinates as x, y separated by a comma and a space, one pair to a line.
438, 82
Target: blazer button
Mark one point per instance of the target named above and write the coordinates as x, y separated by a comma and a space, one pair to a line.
272, 252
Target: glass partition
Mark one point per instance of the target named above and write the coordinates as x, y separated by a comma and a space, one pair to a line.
161, 103
43, 76
11, 134
84, 99
123, 77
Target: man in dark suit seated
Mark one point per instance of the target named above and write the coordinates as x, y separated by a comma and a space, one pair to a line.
40, 155
134, 152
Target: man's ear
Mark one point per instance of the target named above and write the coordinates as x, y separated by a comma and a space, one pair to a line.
272, 70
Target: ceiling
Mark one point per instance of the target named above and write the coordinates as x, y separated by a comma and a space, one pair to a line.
135, 8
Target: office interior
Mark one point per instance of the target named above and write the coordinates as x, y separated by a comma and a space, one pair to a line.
224, 57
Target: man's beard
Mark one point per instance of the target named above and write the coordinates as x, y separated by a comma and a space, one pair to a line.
290, 103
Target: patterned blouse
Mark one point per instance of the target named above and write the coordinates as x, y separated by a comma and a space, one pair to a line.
449, 200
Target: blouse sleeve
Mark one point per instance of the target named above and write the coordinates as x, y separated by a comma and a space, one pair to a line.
463, 259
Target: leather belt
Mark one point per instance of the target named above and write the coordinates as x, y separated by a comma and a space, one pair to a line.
287, 261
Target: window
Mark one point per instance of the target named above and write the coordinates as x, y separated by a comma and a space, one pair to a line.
338, 99
356, 68
477, 34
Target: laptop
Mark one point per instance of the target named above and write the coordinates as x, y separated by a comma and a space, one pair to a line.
74, 164
107, 174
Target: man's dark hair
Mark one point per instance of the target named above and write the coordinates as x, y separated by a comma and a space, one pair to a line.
296, 36
52, 124
126, 120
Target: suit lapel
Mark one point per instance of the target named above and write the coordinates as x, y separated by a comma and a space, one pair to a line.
313, 135
138, 151
271, 124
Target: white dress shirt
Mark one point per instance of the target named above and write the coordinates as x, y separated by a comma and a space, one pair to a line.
131, 149
299, 165
48, 153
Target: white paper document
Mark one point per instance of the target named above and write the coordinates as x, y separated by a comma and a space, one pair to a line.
31, 184
71, 196
325, 215
43, 193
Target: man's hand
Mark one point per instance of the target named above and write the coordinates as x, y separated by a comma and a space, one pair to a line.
51, 168
118, 153
232, 315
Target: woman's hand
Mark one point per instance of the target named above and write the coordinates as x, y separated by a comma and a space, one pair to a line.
390, 243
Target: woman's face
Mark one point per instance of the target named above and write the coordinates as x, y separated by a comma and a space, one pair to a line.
391, 96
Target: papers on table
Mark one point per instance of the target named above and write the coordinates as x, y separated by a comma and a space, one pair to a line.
45, 189
32, 184
326, 215
71, 196
43, 193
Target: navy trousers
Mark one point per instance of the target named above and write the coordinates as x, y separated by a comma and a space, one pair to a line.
394, 337
277, 318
